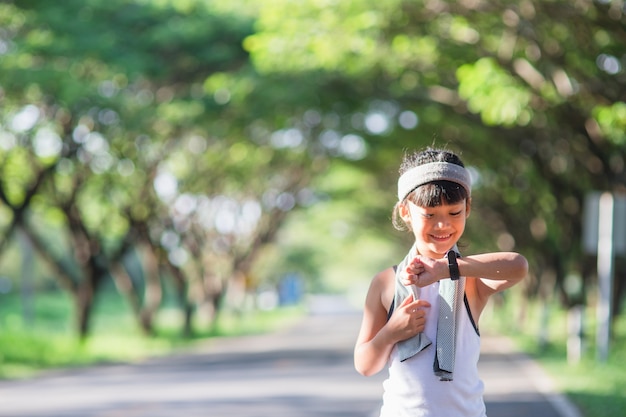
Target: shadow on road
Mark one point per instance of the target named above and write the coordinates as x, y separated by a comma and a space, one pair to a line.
304, 371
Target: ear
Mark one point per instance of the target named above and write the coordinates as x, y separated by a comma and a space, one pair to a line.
405, 213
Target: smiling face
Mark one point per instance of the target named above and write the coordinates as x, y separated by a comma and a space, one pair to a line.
436, 229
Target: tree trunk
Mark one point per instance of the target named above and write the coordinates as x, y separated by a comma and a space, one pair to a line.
84, 303
181, 288
153, 290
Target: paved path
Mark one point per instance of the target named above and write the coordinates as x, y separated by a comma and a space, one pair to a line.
304, 371
515, 385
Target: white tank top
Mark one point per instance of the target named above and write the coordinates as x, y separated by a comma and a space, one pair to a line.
413, 390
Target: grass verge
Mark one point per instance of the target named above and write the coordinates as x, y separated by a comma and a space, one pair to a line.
43, 337
595, 387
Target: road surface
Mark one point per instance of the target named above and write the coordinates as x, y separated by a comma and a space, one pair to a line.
303, 371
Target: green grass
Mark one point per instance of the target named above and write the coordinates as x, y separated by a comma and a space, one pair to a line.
48, 340
595, 387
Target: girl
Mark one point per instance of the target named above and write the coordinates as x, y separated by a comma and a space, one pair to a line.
421, 317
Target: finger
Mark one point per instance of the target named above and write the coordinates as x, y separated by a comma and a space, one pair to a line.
415, 264
414, 270
406, 272
409, 279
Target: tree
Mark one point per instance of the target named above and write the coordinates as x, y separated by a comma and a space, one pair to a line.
532, 93
160, 140
186, 134
116, 136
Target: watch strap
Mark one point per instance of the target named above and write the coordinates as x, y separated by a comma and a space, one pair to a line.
453, 266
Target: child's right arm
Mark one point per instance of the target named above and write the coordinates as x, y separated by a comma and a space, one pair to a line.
377, 335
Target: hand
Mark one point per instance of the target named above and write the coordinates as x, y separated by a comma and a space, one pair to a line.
409, 319
421, 272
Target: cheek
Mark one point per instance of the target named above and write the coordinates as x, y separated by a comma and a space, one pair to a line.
420, 226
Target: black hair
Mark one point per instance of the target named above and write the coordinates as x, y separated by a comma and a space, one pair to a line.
432, 194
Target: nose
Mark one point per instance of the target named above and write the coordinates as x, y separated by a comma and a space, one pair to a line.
442, 223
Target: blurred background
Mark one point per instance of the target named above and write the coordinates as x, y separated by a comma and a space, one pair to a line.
176, 169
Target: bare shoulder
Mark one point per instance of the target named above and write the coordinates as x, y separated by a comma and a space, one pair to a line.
377, 302
383, 287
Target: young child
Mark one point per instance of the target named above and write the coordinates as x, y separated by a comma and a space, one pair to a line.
421, 317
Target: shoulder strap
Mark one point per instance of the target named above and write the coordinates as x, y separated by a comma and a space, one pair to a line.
393, 300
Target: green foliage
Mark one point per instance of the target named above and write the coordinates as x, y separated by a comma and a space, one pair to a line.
493, 93
331, 243
595, 387
14, 176
250, 118
612, 121
49, 342
319, 34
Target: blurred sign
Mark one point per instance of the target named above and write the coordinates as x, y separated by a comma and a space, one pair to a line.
591, 222
604, 234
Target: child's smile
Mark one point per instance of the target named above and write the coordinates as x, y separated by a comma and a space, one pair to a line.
437, 229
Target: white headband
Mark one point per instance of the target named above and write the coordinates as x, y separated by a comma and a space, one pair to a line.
433, 171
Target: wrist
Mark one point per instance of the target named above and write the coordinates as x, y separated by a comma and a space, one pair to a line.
384, 336
442, 271
387, 336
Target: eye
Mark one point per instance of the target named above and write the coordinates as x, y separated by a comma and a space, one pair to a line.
456, 213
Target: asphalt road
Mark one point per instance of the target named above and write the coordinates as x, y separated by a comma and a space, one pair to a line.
304, 371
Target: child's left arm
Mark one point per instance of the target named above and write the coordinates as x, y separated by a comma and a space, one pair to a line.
497, 271
486, 274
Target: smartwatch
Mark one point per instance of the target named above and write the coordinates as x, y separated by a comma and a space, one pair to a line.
453, 265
